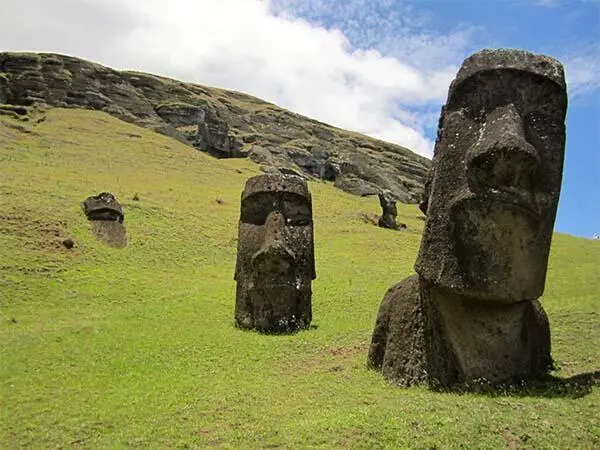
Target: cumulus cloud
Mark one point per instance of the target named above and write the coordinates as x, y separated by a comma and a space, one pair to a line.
345, 70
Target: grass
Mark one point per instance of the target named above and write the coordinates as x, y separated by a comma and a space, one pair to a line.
109, 348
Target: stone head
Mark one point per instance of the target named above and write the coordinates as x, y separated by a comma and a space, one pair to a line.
275, 260
493, 189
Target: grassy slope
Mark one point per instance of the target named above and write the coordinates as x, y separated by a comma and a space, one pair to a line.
110, 348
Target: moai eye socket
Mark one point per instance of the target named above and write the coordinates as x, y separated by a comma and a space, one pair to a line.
294, 208
275, 260
296, 211
257, 207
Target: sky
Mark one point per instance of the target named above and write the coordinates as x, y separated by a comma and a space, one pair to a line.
379, 67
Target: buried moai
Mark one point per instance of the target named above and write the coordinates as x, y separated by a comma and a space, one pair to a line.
471, 312
389, 211
106, 215
275, 258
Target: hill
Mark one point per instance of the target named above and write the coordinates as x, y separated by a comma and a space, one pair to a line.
222, 123
135, 347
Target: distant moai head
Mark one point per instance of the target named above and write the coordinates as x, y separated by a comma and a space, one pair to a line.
275, 259
496, 175
106, 215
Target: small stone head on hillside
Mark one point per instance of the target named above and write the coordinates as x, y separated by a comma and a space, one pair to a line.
275, 258
495, 182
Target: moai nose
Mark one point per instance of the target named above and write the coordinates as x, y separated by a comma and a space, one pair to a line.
274, 257
502, 157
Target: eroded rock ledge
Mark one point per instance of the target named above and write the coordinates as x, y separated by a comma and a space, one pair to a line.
219, 122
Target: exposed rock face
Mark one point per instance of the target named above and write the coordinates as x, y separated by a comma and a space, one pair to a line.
3, 88
472, 312
222, 123
275, 258
106, 215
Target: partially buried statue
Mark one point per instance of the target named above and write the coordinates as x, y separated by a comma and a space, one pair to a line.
471, 312
275, 258
389, 211
106, 215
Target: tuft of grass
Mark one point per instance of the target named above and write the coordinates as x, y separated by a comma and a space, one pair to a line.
135, 347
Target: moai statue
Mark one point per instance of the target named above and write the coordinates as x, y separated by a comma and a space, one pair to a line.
106, 215
389, 211
471, 312
275, 257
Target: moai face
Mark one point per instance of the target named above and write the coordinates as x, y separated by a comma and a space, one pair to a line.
275, 259
496, 177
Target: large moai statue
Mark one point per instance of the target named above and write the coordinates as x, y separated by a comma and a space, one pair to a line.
471, 312
275, 258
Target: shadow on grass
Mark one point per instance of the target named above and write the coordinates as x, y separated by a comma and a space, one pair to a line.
282, 332
549, 386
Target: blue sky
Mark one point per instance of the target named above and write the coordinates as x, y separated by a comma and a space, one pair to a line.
567, 30
380, 67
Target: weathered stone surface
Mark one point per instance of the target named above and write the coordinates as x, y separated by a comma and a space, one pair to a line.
498, 170
103, 206
275, 257
491, 197
110, 232
222, 123
214, 137
398, 342
355, 185
3, 88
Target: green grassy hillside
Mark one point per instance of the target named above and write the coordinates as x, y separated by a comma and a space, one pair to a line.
109, 348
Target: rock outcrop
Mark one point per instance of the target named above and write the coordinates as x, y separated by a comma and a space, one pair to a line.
219, 122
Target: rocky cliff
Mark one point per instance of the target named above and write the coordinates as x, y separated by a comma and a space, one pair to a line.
222, 123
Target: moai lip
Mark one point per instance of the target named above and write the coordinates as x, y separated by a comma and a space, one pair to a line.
490, 199
275, 258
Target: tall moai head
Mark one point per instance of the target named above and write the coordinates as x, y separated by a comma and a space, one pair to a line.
496, 176
275, 259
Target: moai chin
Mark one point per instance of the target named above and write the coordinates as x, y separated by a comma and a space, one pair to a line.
472, 311
275, 257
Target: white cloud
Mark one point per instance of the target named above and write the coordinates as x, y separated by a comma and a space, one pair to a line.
547, 3
582, 68
336, 75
